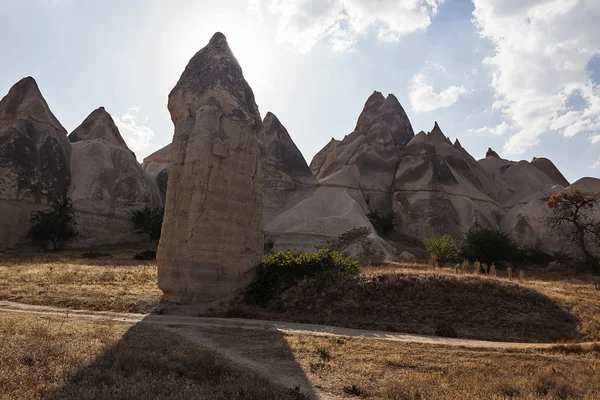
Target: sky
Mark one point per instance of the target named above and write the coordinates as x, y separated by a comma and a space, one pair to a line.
519, 76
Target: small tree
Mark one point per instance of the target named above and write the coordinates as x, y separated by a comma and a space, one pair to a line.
383, 222
148, 220
572, 216
55, 225
489, 245
444, 249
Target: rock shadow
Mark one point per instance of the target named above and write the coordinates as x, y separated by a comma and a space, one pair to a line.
164, 360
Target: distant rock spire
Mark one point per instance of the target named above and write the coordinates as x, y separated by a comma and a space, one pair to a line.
491, 153
99, 125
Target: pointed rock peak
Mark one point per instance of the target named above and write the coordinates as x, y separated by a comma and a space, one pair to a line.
273, 128
491, 153
212, 67
419, 138
25, 101
376, 97
457, 144
218, 39
98, 125
436, 134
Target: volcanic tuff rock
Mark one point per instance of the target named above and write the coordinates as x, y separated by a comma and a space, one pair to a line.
517, 182
34, 159
157, 166
212, 232
373, 150
321, 157
287, 179
107, 183
99, 125
439, 188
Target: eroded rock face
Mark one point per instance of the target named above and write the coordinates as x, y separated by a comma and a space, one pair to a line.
34, 159
212, 233
287, 179
321, 157
373, 149
439, 188
99, 125
108, 184
157, 166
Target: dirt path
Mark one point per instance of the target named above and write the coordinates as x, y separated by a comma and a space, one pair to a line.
173, 321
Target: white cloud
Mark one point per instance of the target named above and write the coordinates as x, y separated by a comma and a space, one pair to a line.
137, 136
423, 98
304, 23
543, 48
499, 130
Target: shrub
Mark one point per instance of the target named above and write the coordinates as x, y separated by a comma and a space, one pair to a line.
145, 255
489, 245
383, 222
281, 271
148, 220
444, 250
55, 225
94, 254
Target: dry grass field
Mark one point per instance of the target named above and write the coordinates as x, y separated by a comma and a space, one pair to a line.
377, 369
419, 299
59, 358
410, 298
65, 279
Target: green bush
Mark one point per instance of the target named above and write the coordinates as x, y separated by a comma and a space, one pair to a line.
148, 220
281, 271
146, 255
56, 225
383, 222
443, 249
490, 246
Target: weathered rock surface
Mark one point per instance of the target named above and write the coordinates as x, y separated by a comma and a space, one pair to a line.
321, 157
107, 184
373, 150
287, 179
157, 166
34, 159
212, 233
99, 125
439, 188
516, 182
319, 220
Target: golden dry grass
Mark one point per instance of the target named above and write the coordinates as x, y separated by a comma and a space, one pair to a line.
415, 298
64, 279
76, 359
377, 369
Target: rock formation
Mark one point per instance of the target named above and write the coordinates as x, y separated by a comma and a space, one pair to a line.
287, 179
212, 233
157, 166
34, 159
99, 125
321, 157
107, 183
370, 155
439, 188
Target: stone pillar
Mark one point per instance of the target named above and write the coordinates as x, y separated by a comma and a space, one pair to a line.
212, 235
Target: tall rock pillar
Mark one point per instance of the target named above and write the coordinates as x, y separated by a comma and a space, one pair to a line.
212, 233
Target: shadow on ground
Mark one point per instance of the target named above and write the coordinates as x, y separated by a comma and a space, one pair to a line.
152, 362
428, 304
